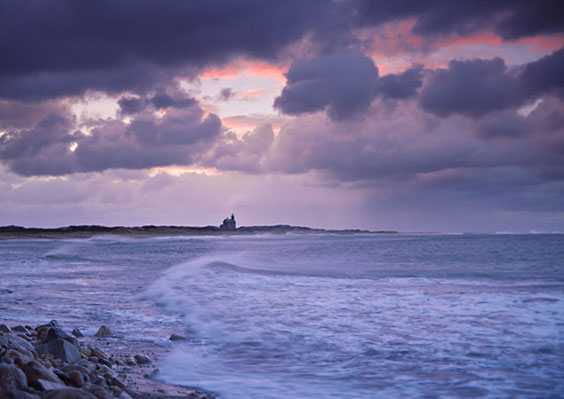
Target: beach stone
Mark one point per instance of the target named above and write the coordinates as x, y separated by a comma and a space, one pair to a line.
62, 375
114, 381
5, 328
129, 361
18, 343
125, 395
12, 378
55, 333
41, 332
68, 393
86, 373
35, 371
44, 385
19, 357
100, 392
20, 329
60, 349
86, 352
98, 353
76, 378
77, 333
175, 337
104, 331
142, 359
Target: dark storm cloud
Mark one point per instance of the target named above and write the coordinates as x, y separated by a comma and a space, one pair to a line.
510, 19
478, 87
544, 75
473, 88
400, 86
177, 138
130, 105
163, 100
64, 48
343, 83
79, 44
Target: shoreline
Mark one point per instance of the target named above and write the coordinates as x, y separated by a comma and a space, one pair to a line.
88, 231
107, 366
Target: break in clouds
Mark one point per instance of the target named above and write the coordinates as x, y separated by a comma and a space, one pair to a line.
469, 125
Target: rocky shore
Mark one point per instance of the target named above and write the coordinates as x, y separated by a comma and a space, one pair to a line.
45, 362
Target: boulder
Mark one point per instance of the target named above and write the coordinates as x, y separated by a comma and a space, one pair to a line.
100, 392
60, 349
98, 353
20, 329
142, 359
5, 328
12, 378
77, 333
44, 385
104, 331
18, 343
67, 393
175, 337
20, 357
55, 333
77, 379
35, 371
86, 373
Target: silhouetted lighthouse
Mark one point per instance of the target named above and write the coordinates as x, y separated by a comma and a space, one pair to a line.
229, 223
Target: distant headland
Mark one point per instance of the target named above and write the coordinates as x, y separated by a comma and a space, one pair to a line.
227, 228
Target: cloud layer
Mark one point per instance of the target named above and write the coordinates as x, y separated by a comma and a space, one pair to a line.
362, 101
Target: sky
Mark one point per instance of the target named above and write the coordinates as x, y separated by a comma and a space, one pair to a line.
416, 116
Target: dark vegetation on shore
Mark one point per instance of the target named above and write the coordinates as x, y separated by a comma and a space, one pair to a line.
86, 231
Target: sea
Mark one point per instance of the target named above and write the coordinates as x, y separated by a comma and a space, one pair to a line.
303, 316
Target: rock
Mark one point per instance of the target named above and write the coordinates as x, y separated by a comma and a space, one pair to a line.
113, 381
5, 328
105, 362
44, 385
12, 378
77, 333
77, 379
104, 331
35, 371
93, 359
20, 357
175, 337
99, 354
55, 333
62, 375
20, 329
129, 361
42, 332
125, 395
68, 393
87, 374
18, 343
142, 359
100, 392
86, 352
60, 349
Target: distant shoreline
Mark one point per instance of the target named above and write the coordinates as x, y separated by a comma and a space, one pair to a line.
88, 231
